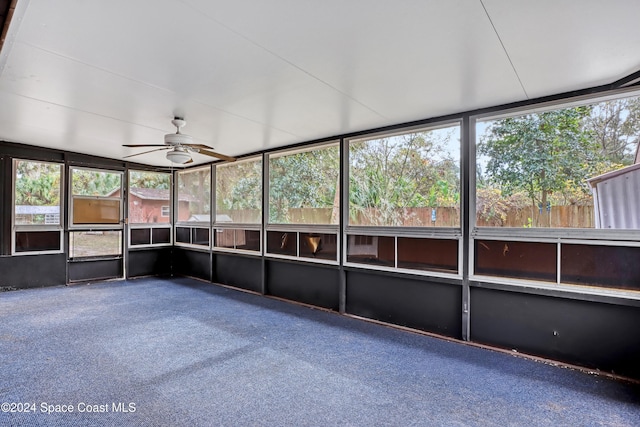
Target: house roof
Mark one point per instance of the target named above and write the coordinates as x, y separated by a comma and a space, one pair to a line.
151, 193
606, 176
155, 194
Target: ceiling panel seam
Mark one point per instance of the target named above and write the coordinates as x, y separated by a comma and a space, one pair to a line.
495, 30
128, 122
86, 64
80, 110
152, 86
286, 61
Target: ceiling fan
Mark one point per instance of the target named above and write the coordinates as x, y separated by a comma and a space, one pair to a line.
180, 146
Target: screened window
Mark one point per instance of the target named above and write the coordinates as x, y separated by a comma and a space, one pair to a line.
239, 192
37, 241
194, 195
372, 250
37, 193
314, 246
197, 236
408, 179
282, 243
149, 197
519, 260
239, 239
303, 186
37, 207
145, 236
565, 168
96, 198
85, 244
601, 265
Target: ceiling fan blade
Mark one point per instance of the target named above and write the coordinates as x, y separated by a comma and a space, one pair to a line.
144, 145
198, 146
217, 155
145, 152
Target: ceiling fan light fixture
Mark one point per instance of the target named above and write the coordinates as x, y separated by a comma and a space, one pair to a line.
178, 155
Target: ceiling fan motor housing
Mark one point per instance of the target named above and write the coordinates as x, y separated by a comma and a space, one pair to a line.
177, 139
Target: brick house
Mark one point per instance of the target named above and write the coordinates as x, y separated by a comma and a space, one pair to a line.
152, 205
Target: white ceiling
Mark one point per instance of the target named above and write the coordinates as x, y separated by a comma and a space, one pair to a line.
248, 75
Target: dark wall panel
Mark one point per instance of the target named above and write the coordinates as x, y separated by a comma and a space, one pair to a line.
192, 263
149, 262
239, 271
309, 284
585, 333
33, 271
415, 303
82, 271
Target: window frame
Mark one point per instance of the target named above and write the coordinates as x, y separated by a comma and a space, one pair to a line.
296, 228
591, 233
20, 228
267, 184
559, 236
397, 132
243, 227
448, 233
409, 232
215, 194
299, 229
103, 227
150, 226
176, 199
191, 227
96, 257
257, 226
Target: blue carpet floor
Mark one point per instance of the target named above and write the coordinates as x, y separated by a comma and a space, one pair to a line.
156, 352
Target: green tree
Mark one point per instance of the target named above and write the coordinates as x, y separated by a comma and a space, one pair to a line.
542, 154
391, 174
239, 188
37, 184
303, 180
86, 182
156, 180
616, 127
194, 186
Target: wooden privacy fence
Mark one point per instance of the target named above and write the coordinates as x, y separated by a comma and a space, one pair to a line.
571, 216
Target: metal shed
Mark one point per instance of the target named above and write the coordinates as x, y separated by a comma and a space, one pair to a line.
616, 198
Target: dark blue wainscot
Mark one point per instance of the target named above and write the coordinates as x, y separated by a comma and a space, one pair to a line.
238, 270
587, 330
84, 270
308, 283
33, 271
418, 302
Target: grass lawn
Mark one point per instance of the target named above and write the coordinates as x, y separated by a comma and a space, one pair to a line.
95, 243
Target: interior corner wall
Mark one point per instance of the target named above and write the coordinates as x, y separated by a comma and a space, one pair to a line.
192, 263
28, 271
149, 262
